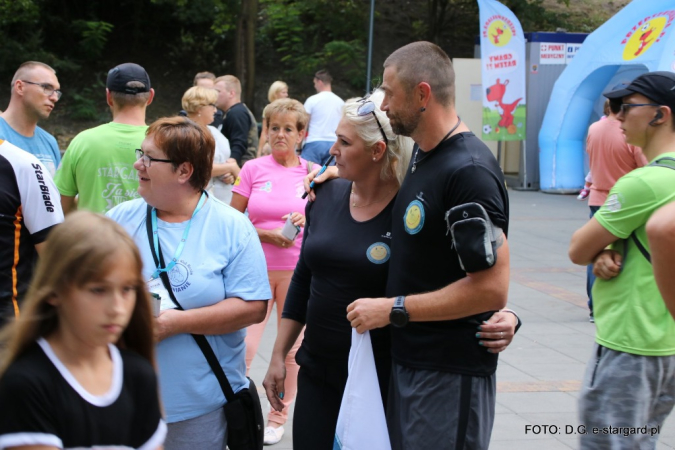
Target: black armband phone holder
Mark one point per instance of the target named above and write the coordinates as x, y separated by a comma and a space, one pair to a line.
472, 236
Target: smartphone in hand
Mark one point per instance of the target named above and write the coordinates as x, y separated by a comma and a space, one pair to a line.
290, 231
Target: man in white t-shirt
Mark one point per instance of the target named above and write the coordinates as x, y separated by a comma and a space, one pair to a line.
325, 112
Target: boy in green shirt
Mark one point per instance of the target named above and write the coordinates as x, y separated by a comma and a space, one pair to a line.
630, 380
98, 165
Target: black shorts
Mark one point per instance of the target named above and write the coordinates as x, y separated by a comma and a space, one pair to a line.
439, 410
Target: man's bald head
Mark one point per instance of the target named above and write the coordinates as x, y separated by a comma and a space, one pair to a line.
26, 69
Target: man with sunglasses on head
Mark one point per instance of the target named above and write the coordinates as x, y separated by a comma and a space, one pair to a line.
630, 379
98, 165
35, 91
443, 383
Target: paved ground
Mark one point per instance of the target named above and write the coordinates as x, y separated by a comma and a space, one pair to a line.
539, 376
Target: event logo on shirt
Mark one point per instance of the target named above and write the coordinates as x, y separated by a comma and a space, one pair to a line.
645, 33
613, 202
378, 253
124, 172
180, 275
413, 219
116, 193
267, 187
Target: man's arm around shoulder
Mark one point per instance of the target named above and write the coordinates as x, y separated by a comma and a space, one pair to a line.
478, 292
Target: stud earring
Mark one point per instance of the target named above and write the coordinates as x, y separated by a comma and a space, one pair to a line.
422, 109
374, 159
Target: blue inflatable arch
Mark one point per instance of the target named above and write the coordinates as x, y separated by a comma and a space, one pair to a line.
638, 39
563, 160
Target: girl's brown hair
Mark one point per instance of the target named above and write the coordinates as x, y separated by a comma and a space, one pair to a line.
77, 252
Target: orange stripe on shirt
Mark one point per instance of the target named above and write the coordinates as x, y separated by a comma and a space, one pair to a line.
15, 277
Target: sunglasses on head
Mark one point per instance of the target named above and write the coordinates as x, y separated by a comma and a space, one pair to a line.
367, 107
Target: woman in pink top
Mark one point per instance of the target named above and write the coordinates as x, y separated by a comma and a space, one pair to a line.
271, 187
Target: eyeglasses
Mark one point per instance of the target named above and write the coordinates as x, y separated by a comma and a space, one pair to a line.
48, 89
367, 107
626, 106
148, 160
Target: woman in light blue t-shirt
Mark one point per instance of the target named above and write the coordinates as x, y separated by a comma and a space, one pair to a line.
217, 273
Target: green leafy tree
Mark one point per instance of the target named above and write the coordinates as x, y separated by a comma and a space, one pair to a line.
94, 36
312, 34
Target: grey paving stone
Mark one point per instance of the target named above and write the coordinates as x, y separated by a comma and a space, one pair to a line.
507, 372
538, 402
509, 427
550, 352
534, 444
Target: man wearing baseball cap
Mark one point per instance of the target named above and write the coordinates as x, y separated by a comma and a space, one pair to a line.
630, 379
609, 158
98, 165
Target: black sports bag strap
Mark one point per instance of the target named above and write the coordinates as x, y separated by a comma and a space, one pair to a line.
199, 338
148, 227
661, 162
641, 247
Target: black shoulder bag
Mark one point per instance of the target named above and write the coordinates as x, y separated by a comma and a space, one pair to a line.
245, 426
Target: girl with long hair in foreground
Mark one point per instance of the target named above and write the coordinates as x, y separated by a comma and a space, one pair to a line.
77, 367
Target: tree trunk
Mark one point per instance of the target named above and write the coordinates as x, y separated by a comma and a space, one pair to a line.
245, 50
436, 10
252, 20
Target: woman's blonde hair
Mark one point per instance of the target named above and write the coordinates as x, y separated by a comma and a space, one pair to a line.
399, 148
79, 251
287, 105
275, 88
198, 96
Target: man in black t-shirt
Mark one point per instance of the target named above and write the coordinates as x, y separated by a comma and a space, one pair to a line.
443, 386
239, 124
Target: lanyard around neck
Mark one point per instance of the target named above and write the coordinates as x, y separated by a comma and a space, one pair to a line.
181, 244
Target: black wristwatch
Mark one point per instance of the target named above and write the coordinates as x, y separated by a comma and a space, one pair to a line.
398, 315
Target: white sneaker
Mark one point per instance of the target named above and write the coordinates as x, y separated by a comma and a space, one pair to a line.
273, 435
